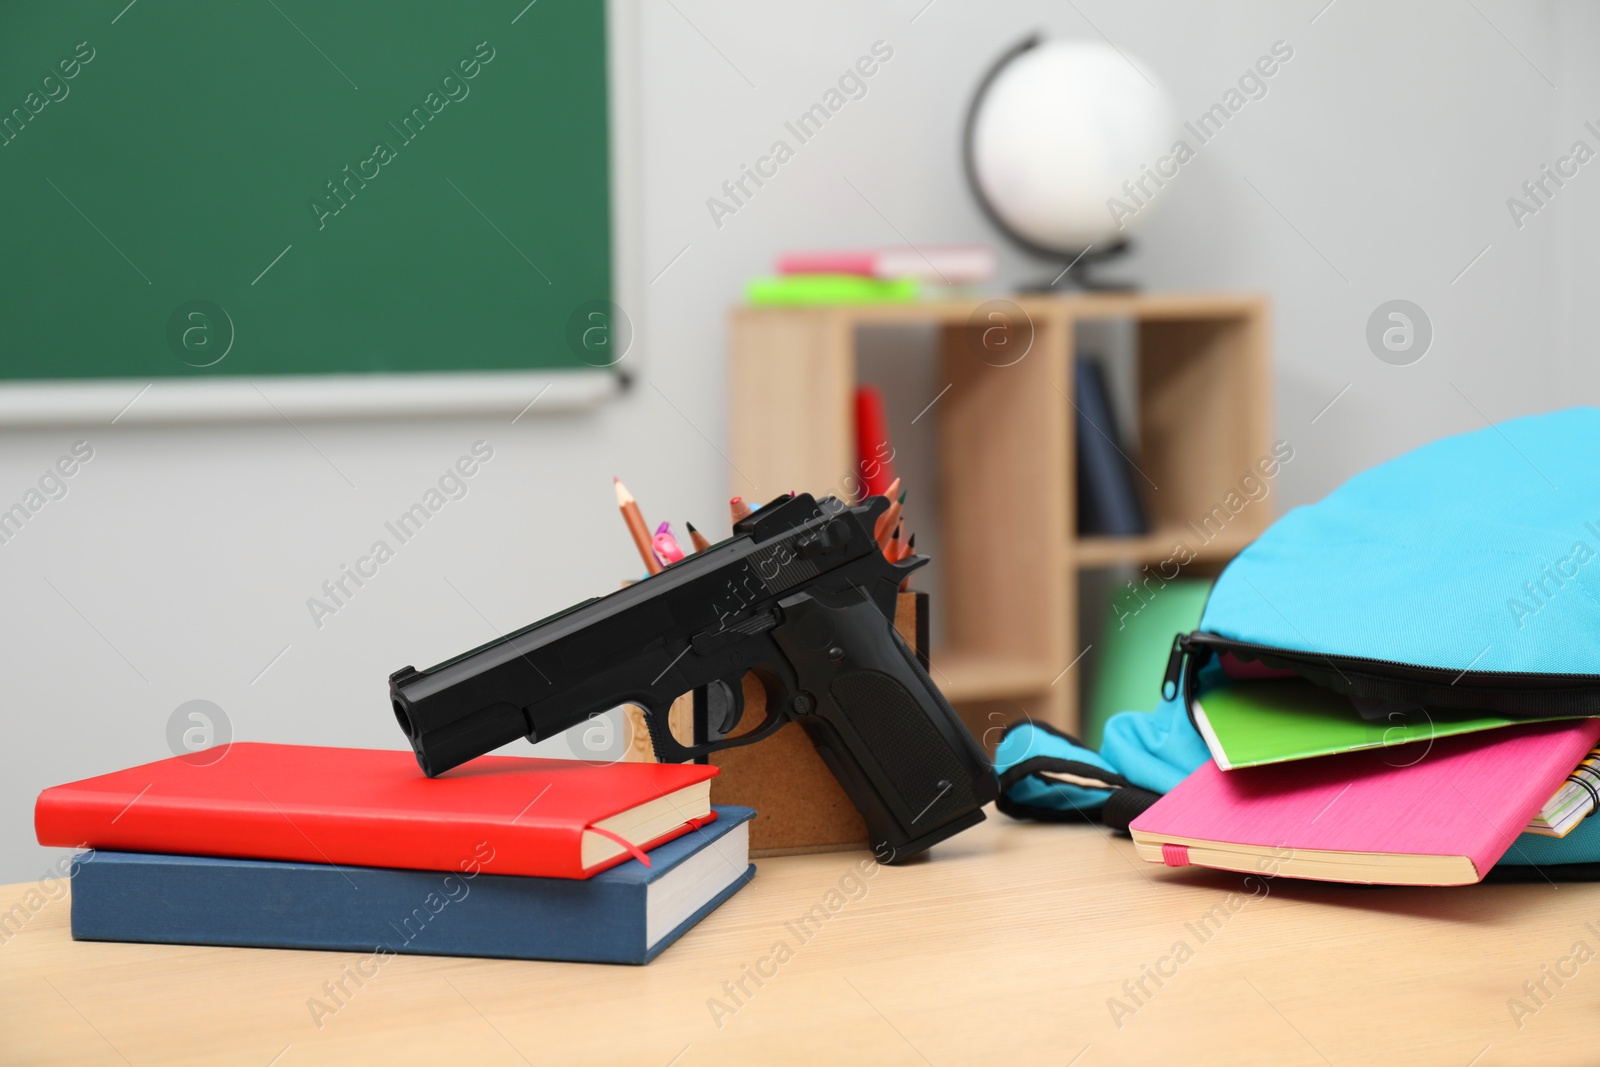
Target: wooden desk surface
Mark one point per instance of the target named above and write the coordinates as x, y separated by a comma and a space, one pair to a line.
1011, 944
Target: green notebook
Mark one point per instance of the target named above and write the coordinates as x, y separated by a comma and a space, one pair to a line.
1246, 724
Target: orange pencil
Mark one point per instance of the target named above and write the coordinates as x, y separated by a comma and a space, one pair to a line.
636, 526
893, 492
697, 538
887, 521
911, 546
892, 552
886, 524
738, 508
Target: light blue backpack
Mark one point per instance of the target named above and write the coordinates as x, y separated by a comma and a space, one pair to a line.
1464, 574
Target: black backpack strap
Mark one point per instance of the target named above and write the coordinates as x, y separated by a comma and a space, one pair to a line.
1126, 803
1065, 771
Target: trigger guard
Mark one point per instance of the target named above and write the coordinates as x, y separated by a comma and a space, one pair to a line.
668, 750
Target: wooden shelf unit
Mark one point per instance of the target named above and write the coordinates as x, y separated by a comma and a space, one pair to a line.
1005, 456
1154, 548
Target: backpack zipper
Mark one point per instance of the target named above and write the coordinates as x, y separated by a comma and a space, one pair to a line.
1528, 693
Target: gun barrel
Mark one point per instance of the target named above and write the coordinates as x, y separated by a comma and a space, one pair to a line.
442, 740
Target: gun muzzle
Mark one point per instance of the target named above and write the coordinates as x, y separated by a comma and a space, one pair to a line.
445, 737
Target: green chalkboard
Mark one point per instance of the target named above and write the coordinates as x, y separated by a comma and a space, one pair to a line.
254, 187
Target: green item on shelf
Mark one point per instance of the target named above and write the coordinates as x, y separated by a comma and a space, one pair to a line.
1134, 645
807, 290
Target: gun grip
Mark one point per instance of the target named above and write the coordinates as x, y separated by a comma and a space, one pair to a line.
899, 750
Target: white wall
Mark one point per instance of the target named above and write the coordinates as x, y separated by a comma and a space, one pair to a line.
1390, 141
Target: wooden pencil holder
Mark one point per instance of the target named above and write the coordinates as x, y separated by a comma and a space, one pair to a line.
800, 806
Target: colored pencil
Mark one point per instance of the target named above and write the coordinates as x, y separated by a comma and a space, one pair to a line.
738, 508
886, 524
911, 546
636, 526
887, 521
697, 538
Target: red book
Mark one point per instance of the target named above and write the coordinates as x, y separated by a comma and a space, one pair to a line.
875, 456
372, 808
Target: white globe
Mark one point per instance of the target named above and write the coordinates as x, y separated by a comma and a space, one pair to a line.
1059, 130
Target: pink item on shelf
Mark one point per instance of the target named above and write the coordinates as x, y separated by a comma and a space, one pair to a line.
943, 264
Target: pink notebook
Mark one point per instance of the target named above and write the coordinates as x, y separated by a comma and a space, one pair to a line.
1426, 813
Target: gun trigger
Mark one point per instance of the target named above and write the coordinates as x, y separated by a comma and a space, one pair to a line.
708, 641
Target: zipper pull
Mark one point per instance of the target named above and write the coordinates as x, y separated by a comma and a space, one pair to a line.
1180, 652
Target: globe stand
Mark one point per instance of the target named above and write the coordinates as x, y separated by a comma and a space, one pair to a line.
1078, 276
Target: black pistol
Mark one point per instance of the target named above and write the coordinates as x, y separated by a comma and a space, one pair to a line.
801, 596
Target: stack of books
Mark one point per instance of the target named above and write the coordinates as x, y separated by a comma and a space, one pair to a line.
289, 846
874, 276
1307, 783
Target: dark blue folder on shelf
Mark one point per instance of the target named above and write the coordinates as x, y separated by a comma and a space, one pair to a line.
1109, 503
627, 914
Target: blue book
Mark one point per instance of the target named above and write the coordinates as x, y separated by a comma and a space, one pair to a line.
627, 914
